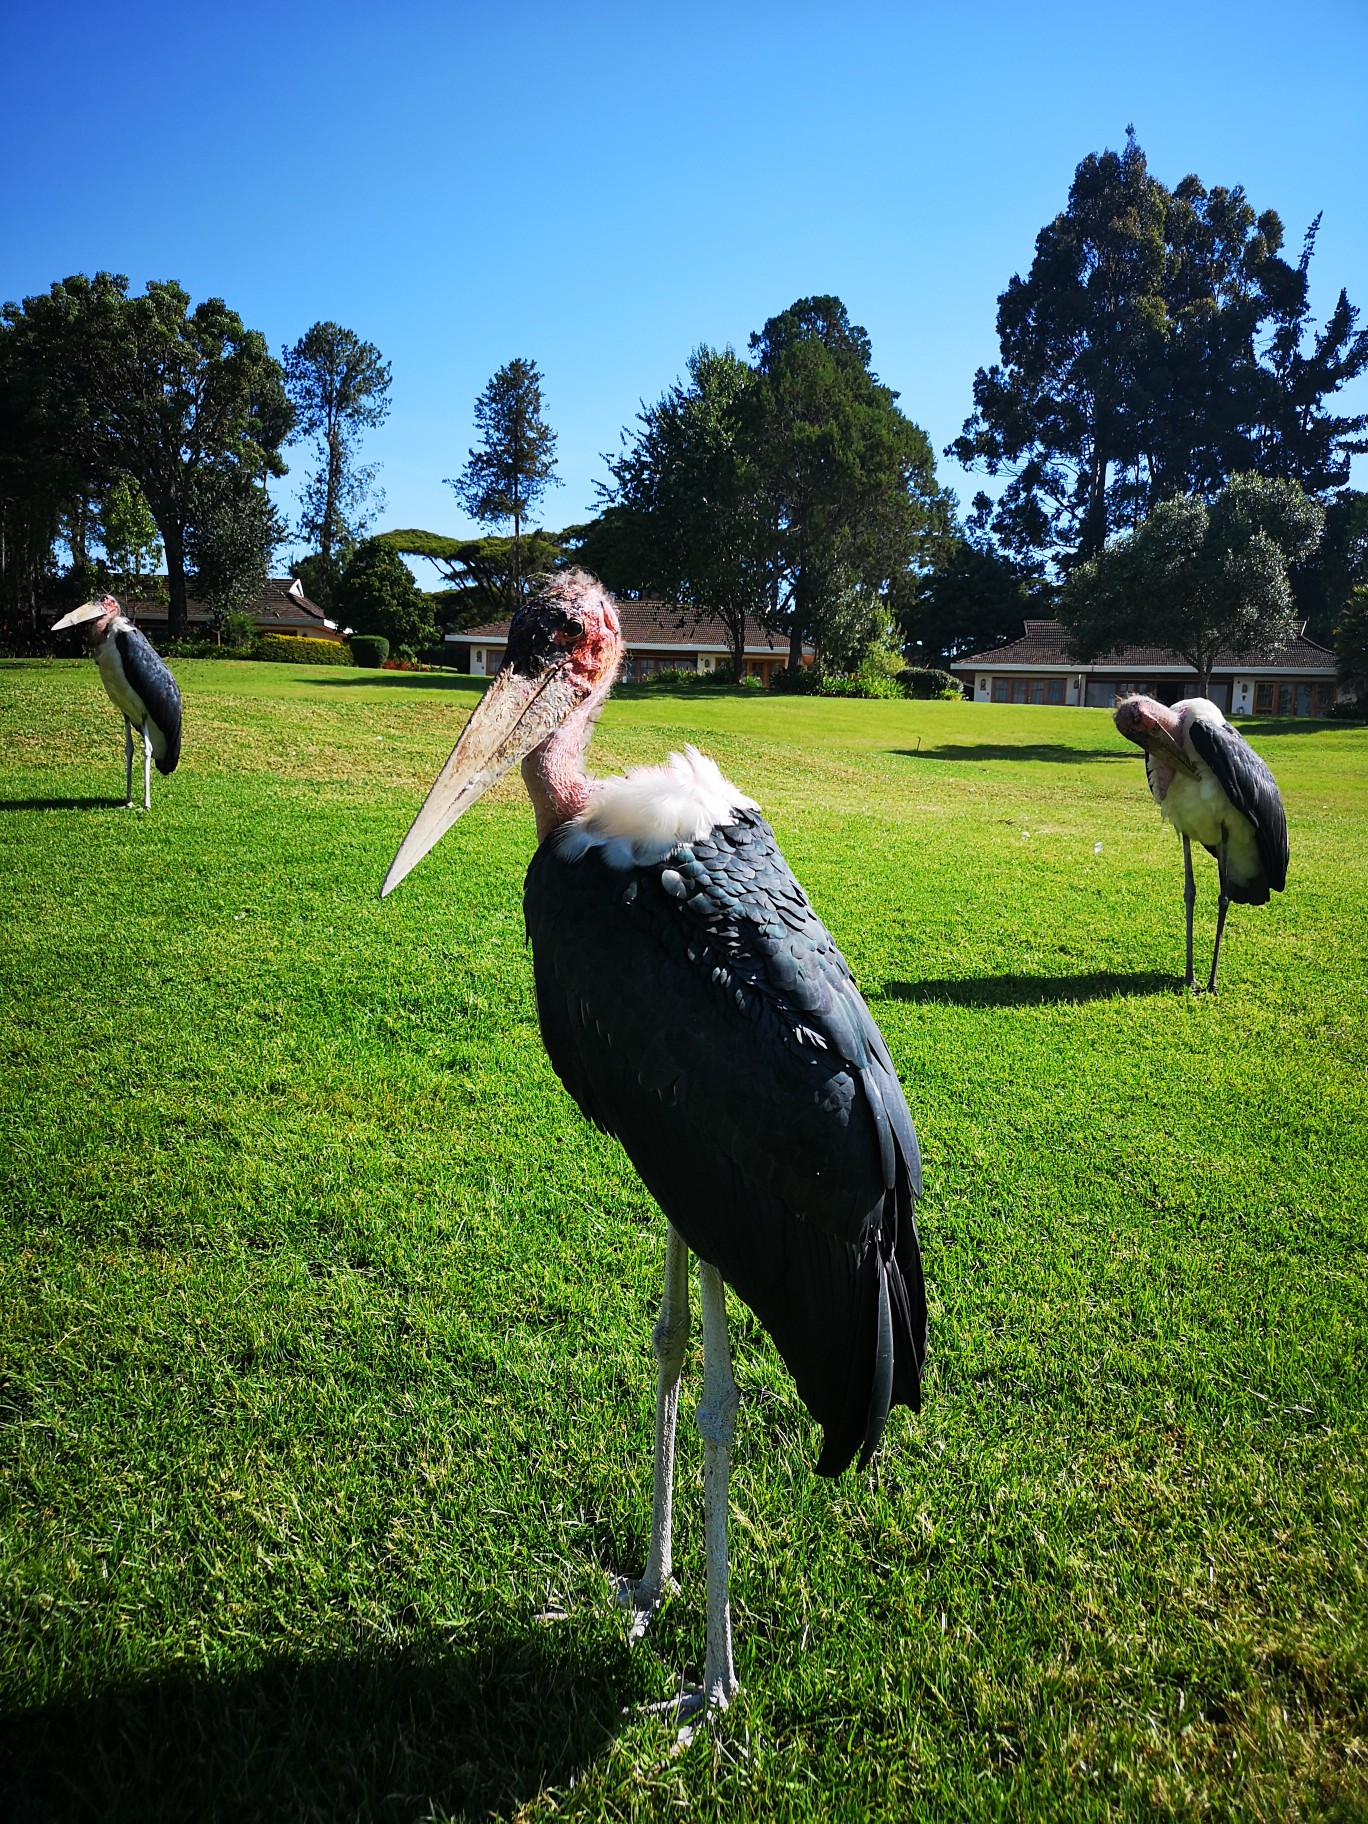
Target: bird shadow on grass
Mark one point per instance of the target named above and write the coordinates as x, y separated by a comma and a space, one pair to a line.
61, 804
1057, 752
1034, 990
393, 1734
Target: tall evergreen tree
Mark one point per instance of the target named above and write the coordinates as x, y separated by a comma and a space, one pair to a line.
339, 387
845, 482
515, 463
1158, 345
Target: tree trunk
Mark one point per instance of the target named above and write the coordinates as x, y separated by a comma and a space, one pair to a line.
177, 615
1093, 532
325, 541
736, 646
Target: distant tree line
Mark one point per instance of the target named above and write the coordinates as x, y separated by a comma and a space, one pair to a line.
1160, 426
137, 431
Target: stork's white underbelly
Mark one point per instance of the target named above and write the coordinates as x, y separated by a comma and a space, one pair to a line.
1200, 809
123, 696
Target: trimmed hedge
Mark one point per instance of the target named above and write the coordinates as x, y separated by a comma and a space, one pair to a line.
370, 649
926, 681
281, 649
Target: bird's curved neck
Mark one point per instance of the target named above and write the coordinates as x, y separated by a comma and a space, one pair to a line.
557, 781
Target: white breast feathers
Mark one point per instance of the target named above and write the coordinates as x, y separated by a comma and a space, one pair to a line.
640, 819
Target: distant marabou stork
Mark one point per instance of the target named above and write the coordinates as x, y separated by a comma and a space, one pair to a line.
695, 1006
1214, 789
138, 685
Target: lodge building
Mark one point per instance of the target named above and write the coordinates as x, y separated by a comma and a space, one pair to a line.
1298, 680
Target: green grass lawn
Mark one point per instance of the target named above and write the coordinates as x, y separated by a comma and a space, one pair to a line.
326, 1385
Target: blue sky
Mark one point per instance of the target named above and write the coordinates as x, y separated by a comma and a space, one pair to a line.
602, 187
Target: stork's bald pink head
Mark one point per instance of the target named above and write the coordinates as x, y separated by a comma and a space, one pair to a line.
1155, 727
564, 649
97, 617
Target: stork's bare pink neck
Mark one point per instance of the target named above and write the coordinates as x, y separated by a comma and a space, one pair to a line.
555, 774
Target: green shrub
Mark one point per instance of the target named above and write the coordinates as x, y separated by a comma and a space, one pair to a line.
1349, 709
282, 649
925, 681
804, 682
203, 649
369, 649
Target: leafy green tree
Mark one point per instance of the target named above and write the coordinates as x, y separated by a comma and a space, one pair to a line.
154, 390
1158, 345
1351, 643
973, 598
1203, 580
128, 533
845, 484
44, 483
339, 387
377, 594
481, 572
687, 523
508, 474
234, 531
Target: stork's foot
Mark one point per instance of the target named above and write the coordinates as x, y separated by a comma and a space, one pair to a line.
644, 1600
692, 1708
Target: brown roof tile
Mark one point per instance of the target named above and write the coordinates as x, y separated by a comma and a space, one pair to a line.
654, 624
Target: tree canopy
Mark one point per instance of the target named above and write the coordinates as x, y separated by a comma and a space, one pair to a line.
1158, 345
1201, 579
684, 519
482, 573
150, 388
515, 463
339, 387
377, 594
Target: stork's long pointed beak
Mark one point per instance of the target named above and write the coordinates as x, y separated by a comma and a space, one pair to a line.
515, 715
88, 611
1162, 744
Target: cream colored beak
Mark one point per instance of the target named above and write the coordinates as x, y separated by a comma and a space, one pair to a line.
88, 611
515, 715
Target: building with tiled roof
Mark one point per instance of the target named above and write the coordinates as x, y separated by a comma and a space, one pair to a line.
1300, 679
282, 607
654, 639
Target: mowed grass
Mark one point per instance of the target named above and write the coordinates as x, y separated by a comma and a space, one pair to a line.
326, 1386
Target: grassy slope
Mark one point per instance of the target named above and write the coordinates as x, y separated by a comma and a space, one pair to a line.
326, 1386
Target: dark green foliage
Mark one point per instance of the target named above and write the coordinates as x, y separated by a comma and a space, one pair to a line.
516, 461
1325, 583
339, 387
1155, 347
128, 533
369, 649
231, 538
924, 682
319, 577
1201, 580
377, 594
149, 388
846, 483
1351, 642
683, 517
973, 598
483, 571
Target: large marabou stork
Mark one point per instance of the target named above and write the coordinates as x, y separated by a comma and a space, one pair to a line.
138, 685
695, 1006
1214, 789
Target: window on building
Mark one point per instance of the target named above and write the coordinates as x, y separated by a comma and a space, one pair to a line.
1322, 698
1002, 690
1263, 698
1055, 691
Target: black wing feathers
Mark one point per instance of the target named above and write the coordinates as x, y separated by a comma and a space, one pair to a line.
1252, 789
700, 1011
146, 672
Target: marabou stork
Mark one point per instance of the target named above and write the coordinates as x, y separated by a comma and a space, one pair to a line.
1214, 789
695, 1006
138, 685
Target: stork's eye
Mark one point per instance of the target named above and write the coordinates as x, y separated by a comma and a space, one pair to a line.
574, 628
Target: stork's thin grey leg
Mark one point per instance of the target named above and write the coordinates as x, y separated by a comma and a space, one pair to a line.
670, 1340
1189, 900
716, 1424
147, 767
1221, 904
128, 764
